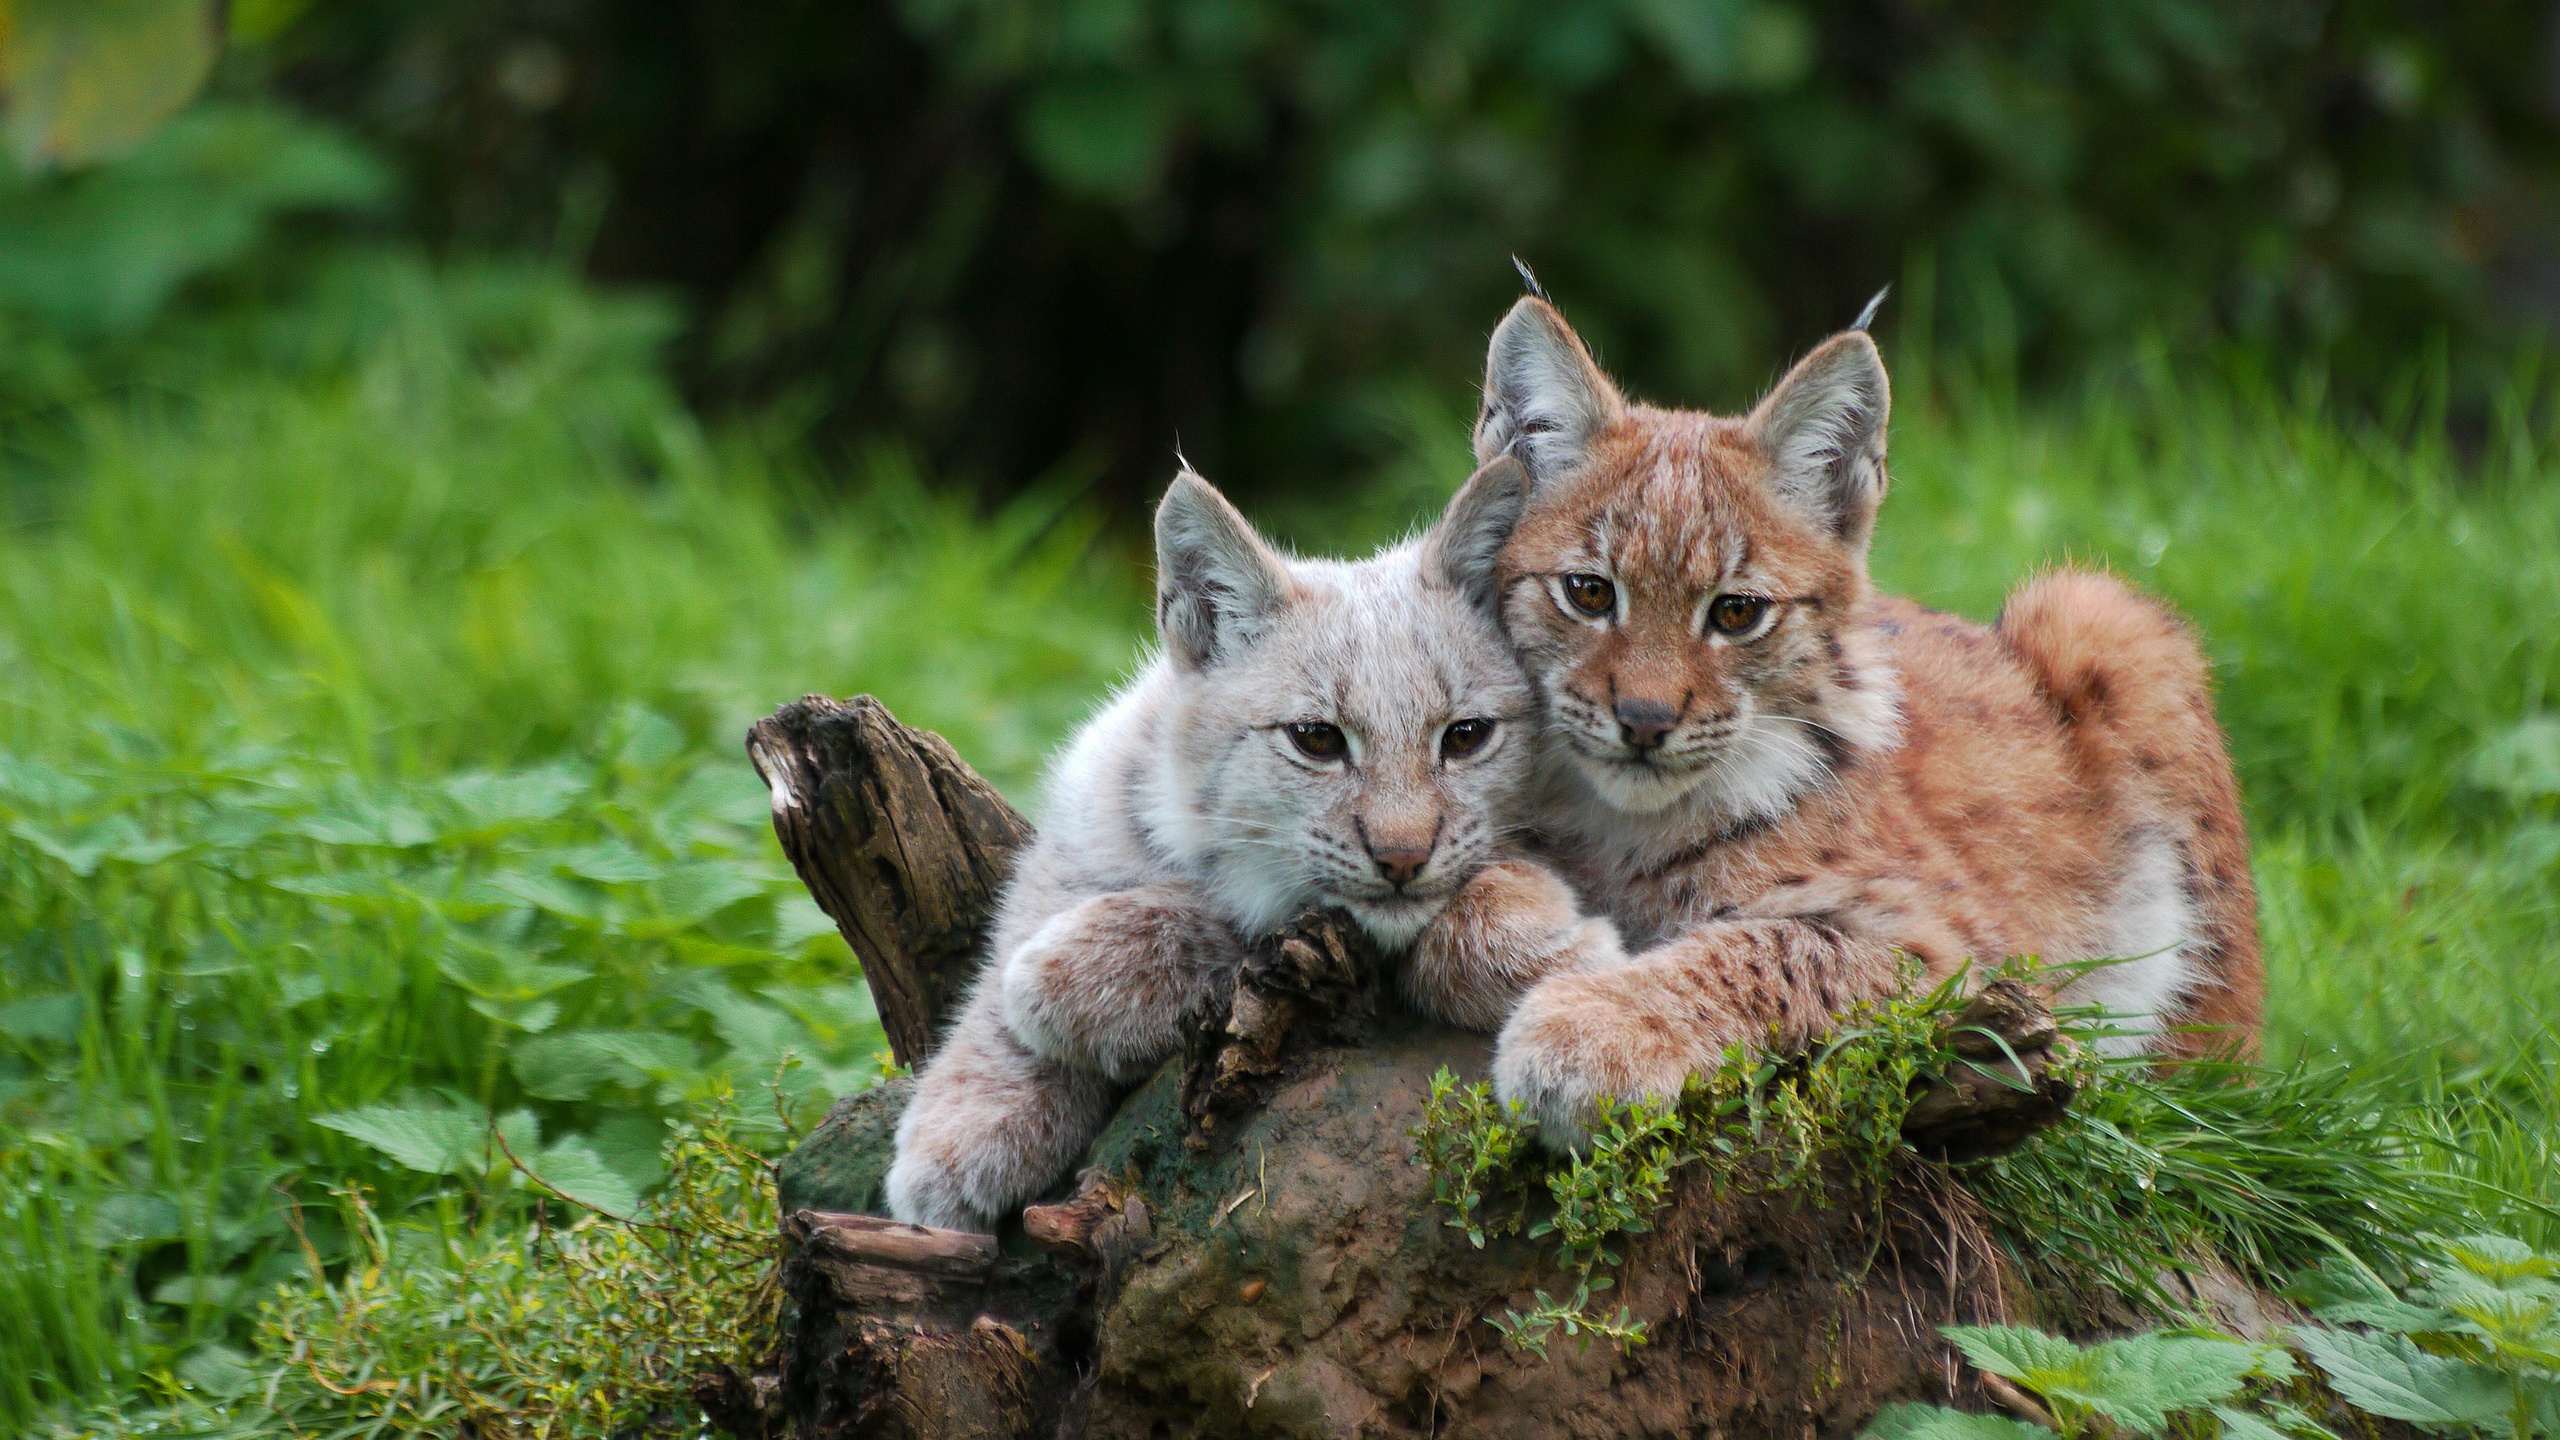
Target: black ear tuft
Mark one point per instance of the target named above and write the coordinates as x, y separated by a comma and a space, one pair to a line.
1867, 316
1529, 278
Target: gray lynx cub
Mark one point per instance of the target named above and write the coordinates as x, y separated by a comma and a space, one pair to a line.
1313, 732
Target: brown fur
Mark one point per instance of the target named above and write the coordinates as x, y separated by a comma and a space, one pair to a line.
1916, 785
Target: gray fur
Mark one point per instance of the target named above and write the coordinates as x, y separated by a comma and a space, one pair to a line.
1182, 820
1544, 399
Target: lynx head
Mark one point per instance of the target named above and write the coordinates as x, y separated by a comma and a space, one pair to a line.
1344, 733
1684, 589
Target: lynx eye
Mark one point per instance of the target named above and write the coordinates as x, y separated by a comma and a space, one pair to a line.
1590, 594
1464, 738
1319, 741
1736, 614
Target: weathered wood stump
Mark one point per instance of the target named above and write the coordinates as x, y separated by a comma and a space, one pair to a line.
1251, 1249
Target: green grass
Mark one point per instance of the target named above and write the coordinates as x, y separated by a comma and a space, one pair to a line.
375, 681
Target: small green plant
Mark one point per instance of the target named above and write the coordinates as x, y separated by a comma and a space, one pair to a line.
436, 1325
2186, 1382
1767, 1124
1474, 1149
2271, 1170
2473, 1348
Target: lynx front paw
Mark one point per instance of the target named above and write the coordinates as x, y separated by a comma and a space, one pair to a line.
1577, 1038
922, 1192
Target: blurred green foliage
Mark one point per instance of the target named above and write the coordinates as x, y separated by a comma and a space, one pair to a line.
1026, 233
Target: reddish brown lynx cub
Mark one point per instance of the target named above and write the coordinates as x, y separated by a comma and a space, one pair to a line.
1778, 782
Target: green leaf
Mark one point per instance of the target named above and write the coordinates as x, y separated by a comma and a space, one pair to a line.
219, 1371
2523, 762
573, 1168
2016, 1352
133, 1217
90, 79
493, 973
104, 252
2241, 1425
2388, 1375
207, 1290
548, 893
1906, 1421
575, 1065
54, 1017
39, 784
1102, 135
2143, 1379
440, 1140
693, 893
2497, 1259
609, 862
517, 797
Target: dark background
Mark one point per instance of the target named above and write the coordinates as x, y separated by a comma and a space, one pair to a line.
1026, 237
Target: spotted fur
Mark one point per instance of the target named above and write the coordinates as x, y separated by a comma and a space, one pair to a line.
1184, 819
1784, 818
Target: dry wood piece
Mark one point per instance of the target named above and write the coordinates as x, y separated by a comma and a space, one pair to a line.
898, 840
2002, 1089
891, 1269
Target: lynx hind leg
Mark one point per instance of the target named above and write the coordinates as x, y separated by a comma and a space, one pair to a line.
991, 1125
2136, 692
1508, 928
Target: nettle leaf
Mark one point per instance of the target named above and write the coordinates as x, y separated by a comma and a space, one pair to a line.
2143, 1379
519, 797
2501, 1261
114, 838
438, 1139
609, 862
531, 1016
548, 893
366, 823
693, 893
797, 920
2523, 761
493, 973
35, 783
133, 1217
2389, 1376
219, 1371
2018, 1353
575, 1065
2391, 1314
54, 1017
2241, 1425
643, 739
573, 1168
1907, 1421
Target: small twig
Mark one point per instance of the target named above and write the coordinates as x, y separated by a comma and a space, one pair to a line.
548, 1188
1229, 1208
2016, 1401
1254, 1391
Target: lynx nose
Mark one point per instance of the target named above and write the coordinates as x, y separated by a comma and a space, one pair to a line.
1401, 853
1644, 723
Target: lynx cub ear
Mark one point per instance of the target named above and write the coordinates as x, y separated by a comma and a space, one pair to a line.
1217, 582
1461, 549
1543, 398
1823, 428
